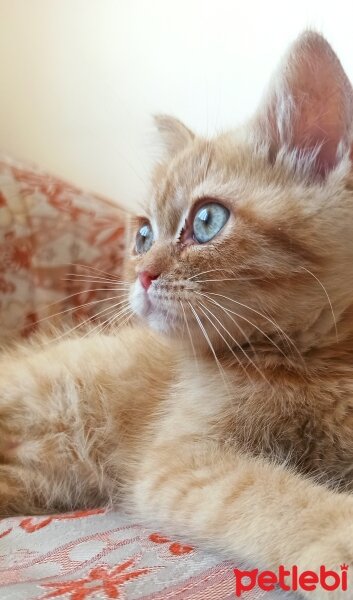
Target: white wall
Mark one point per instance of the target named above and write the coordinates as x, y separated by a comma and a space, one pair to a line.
80, 78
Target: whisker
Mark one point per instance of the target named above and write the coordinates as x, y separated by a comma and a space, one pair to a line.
238, 346
96, 276
125, 322
227, 279
91, 268
62, 300
200, 304
167, 315
85, 322
220, 368
273, 323
128, 315
124, 315
83, 279
74, 308
208, 271
102, 325
232, 319
189, 334
228, 310
109, 321
328, 299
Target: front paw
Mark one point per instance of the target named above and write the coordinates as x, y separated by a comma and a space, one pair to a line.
331, 559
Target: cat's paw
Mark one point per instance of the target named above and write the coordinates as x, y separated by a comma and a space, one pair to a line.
331, 559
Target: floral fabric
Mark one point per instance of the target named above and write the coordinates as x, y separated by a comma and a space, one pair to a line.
55, 243
96, 555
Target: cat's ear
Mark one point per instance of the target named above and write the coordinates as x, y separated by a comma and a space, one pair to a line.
175, 135
309, 108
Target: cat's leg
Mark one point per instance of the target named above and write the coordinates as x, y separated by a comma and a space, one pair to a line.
247, 508
70, 419
46, 461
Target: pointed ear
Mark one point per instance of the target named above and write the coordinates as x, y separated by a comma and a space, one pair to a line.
174, 133
309, 108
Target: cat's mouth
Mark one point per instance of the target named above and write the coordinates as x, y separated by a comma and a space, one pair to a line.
156, 307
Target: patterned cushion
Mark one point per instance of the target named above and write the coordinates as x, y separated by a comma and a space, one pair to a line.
55, 241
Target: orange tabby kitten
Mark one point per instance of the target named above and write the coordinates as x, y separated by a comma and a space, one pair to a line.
230, 412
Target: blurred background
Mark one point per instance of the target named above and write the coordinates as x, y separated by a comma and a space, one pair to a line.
79, 79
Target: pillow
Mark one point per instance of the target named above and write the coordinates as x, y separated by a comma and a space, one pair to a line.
60, 249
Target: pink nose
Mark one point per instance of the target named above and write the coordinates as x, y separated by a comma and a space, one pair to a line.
146, 279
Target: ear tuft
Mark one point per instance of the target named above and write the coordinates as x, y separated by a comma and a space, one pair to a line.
175, 135
309, 108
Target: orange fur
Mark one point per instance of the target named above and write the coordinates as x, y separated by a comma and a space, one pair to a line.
230, 415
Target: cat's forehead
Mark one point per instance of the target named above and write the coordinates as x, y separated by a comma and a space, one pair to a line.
196, 173
176, 186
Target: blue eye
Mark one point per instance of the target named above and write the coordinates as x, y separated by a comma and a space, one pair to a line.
208, 221
144, 239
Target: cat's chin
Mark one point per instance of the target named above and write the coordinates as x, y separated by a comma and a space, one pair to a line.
140, 303
162, 320
157, 323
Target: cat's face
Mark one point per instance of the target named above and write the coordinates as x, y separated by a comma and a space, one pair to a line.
247, 235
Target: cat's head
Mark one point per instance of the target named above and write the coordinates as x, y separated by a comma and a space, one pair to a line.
248, 237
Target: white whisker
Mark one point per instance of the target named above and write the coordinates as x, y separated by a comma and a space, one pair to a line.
228, 310
328, 299
101, 327
189, 333
62, 300
232, 319
208, 271
86, 321
273, 323
220, 368
238, 346
74, 308
128, 315
227, 279
91, 268
83, 279
201, 306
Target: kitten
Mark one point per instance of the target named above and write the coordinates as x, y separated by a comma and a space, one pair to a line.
228, 411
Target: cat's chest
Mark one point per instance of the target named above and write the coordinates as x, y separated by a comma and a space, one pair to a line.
309, 425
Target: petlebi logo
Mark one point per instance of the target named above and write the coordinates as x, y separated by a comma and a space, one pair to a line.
291, 580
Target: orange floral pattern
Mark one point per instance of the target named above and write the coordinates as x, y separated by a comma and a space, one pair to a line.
174, 548
31, 524
51, 237
102, 554
103, 579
